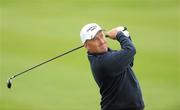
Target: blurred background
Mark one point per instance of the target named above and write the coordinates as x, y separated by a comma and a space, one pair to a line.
32, 31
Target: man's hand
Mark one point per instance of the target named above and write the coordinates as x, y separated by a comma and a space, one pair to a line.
113, 32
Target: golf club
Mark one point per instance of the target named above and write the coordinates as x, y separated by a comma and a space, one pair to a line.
9, 81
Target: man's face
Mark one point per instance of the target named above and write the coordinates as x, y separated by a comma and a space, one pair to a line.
98, 44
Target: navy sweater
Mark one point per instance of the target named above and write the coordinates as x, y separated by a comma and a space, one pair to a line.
119, 88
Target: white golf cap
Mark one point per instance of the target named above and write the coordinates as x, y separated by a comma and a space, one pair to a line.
89, 31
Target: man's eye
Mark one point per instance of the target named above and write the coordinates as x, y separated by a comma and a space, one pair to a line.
101, 36
94, 39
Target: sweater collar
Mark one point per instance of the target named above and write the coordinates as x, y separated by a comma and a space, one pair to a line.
94, 54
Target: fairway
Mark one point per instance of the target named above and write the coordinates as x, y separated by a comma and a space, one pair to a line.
32, 31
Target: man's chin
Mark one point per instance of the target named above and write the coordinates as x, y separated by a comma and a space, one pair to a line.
104, 50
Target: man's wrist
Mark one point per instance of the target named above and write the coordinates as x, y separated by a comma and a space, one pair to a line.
119, 34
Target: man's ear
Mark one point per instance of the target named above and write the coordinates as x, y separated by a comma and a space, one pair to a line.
86, 45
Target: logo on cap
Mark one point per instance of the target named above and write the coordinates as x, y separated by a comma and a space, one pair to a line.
91, 28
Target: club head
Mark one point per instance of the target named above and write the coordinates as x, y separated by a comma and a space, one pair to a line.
9, 83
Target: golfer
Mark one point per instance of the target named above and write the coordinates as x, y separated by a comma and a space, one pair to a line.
112, 69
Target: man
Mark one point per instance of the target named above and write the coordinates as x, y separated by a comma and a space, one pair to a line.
111, 69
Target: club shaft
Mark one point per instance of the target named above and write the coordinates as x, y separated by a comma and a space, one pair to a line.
47, 61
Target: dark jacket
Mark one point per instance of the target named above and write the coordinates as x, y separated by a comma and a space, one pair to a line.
112, 72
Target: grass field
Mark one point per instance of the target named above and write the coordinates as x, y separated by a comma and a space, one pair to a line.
32, 31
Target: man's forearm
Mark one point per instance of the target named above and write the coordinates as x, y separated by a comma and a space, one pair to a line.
125, 42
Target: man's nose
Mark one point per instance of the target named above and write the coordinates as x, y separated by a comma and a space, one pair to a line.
101, 40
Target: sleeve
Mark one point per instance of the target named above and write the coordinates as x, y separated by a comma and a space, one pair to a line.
118, 61
132, 63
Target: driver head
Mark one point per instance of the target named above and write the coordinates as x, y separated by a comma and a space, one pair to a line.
9, 83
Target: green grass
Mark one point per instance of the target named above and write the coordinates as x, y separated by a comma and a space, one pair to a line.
32, 31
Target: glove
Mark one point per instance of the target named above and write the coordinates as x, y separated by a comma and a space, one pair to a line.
123, 30
113, 32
